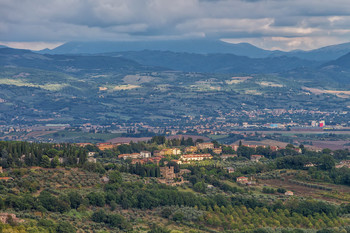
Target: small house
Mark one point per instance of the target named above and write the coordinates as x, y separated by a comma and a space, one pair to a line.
242, 180
230, 169
217, 151
205, 145
289, 193
145, 154
255, 158
224, 157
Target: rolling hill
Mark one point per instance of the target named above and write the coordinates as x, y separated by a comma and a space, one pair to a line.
342, 63
160, 88
215, 63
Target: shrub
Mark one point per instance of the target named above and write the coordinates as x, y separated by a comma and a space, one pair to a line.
65, 227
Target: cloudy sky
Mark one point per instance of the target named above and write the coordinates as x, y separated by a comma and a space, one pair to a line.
269, 24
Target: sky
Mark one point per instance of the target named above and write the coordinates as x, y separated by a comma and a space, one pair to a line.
269, 24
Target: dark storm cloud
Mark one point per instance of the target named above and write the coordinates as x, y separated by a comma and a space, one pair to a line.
291, 23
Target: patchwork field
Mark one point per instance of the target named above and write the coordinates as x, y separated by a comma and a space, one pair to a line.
22, 83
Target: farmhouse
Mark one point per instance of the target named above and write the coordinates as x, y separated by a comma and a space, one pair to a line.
6, 178
217, 151
191, 149
205, 145
289, 193
83, 144
230, 169
309, 165
196, 157
167, 151
132, 156
234, 147
145, 154
227, 156
91, 160
242, 180
91, 154
154, 160
167, 172
105, 146
255, 158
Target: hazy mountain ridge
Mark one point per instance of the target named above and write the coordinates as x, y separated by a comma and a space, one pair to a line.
203, 46
215, 63
189, 46
143, 60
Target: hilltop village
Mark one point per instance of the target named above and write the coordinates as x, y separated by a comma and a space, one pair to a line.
164, 184
169, 157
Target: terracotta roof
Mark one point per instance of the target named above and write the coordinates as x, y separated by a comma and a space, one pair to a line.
6, 178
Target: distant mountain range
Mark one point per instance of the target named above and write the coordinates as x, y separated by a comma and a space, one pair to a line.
203, 46
145, 60
166, 60
188, 46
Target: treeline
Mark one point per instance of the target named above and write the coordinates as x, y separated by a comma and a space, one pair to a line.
323, 168
243, 218
218, 210
143, 170
160, 140
19, 154
148, 169
200, 177
315, 186
290, 150
150, 145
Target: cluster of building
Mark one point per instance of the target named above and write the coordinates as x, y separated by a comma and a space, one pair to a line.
146, 156
318, 124
169, 177
141, 155
188, 154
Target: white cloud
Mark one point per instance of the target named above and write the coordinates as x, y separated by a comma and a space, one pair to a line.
298, 21
31, 45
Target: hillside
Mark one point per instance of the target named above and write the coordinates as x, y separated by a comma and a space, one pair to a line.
51, 187
323, 54
342, 63
101, 89
215, 63
65, 63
